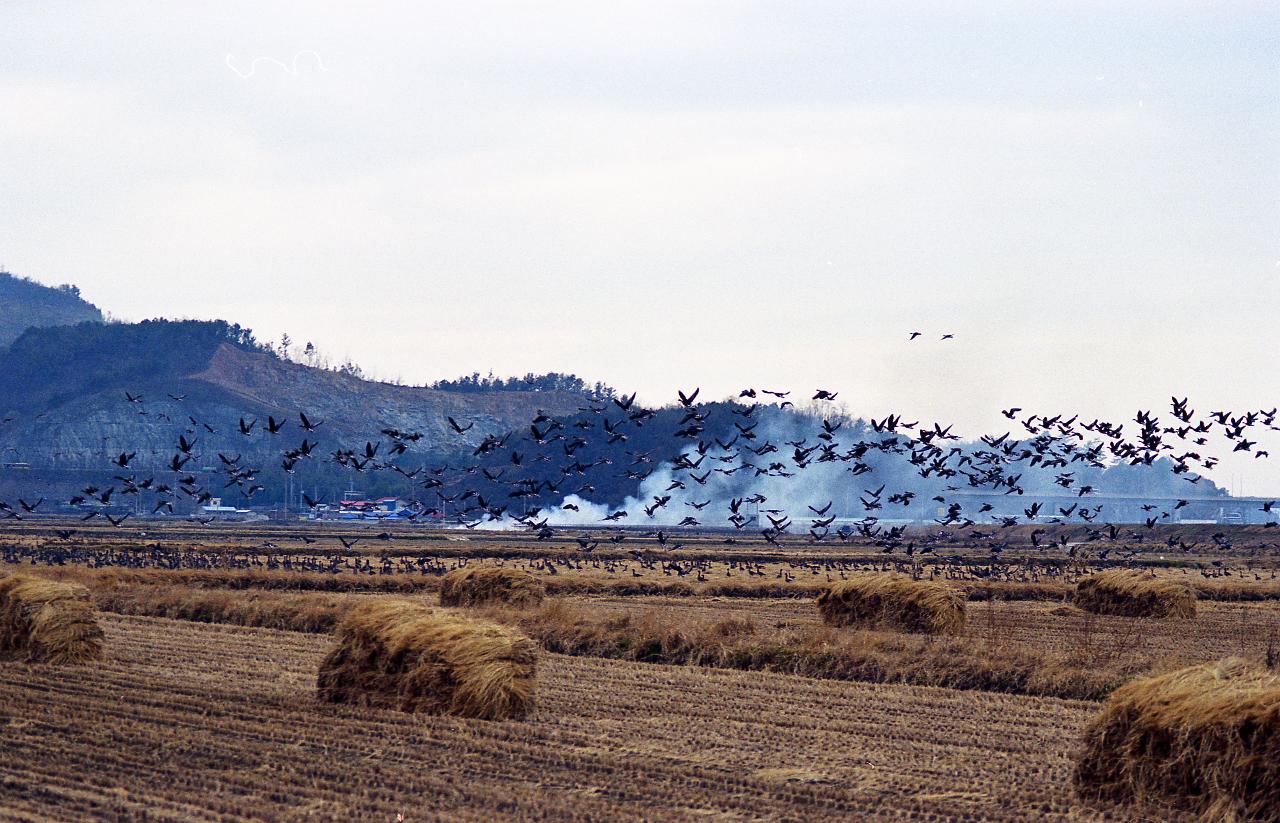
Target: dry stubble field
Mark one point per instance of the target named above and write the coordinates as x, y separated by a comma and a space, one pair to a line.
1218, 630
192, 720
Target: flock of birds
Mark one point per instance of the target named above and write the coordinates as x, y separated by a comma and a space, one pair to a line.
273, 557
510, 477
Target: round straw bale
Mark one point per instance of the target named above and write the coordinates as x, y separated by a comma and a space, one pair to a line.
1129, 593
490, 584
393, 653
1205, 739
886, 601
44, 621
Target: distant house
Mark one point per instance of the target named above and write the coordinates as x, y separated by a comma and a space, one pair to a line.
214, 509
380, 509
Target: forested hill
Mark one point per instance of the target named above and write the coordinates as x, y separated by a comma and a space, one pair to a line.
26, 304
76, 396
48, 367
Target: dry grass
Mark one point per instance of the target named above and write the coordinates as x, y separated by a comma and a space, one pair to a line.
393, 653
1127, 593
348, 582
44, 621
343, 582
1206, 738
1017, 591
594, 581
735, 642
482, 585
1236, 591
290, 611
1136, 645
813, 651
875, 601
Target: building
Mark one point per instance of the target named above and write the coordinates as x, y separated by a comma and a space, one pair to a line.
214, 509
383, 508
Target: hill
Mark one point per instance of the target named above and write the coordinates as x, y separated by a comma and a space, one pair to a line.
66, 401
27, 304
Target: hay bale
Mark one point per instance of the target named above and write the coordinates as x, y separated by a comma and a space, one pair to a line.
490, 584
1205, 739
876, 601
1129, 593
44, 621
399, 654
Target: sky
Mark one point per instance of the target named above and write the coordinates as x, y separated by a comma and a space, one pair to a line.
670, 195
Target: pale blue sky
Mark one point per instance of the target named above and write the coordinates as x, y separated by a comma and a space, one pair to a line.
669, 195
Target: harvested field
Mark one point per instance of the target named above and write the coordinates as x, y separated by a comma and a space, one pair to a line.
669, 687
1219, 630
1051, 650
819, 652
185, 720
811, 650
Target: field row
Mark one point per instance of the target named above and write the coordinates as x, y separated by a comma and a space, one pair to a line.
1250, 630
577, 576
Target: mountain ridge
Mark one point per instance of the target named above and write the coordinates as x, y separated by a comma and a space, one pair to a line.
66, 392
26, 304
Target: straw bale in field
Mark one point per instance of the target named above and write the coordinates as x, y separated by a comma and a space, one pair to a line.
1205, 739
44, 621
1129, 593
885, 601
393, 653
490, 584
